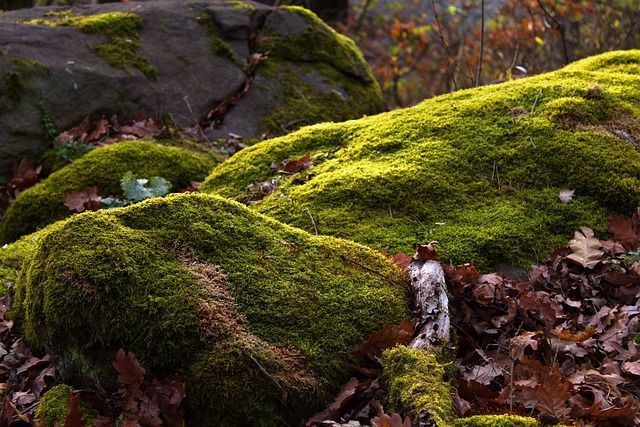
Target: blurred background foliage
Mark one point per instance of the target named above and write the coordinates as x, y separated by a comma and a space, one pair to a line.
422, 48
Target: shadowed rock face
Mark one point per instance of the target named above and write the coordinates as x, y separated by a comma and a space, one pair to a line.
177, 59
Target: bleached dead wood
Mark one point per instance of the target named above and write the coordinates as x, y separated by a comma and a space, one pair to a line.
428, 286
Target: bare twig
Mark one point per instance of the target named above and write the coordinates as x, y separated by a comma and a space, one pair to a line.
450, 60
264, 371
535, 102
313, 222
479, 73
371, 270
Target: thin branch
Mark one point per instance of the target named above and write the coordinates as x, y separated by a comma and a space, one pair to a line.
536, 101
558, 27
450, 60
371, 270
479, 73
313, 222
264, 371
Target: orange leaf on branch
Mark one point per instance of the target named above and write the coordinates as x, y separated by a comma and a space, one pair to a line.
568, 336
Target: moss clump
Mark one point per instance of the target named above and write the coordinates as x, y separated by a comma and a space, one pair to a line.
54, 407
303, 103
218, 43
462, 170
319, 43
339, 80
245, 6
122, 29
104, 167
416, 384
226, 293
11, 258
496, 421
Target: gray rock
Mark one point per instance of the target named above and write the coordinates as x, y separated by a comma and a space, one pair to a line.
190, 59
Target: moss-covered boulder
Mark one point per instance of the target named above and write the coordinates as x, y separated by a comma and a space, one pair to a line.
43, 204
261, 317
191, 62
478, 170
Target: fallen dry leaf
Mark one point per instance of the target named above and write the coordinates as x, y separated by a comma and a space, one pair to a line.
81, 201
129, 369
385, 338
586, 248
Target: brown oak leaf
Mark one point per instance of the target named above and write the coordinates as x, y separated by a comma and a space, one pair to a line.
586, 248
295, 166
129, 369
385, 338
624, 231
81, 201
74, 418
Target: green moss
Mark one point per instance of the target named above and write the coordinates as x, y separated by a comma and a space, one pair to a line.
11, 259
53, 408
319, 43
496, 421
350, 89
226, 293
304, 103
13, 86
218, 43
121, 29
29, 63
104, 167
460, 169
245, 6
416, 384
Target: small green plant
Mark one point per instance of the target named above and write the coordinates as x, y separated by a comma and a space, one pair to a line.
49, 127
623, 261
134, 190
137, 189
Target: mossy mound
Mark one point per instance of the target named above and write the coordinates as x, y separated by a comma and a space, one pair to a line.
260, 316
497, 421
43, 204
53, 408
478, 170
11, 258
415, 383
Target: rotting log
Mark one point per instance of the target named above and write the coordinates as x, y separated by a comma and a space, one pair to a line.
428, 286
415, 374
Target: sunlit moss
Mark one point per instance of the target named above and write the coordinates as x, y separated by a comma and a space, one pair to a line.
464, 170
226, 293
416, 385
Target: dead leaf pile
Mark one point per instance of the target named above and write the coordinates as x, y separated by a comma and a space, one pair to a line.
108, 131
560, 342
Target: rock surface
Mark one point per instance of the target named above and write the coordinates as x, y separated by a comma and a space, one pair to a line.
480, 171
178, 60
261, 317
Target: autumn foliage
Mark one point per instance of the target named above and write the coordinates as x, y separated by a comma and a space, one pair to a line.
419, 49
